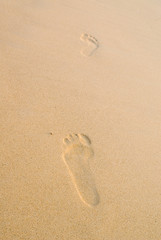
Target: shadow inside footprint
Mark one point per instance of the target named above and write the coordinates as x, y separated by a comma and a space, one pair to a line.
92, 44
77, 153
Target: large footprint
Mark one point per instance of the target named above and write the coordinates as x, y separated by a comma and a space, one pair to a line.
77, 153
92, 44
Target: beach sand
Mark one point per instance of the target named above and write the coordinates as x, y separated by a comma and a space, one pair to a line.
80, 67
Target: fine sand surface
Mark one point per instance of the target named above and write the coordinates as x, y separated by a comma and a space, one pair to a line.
80, 120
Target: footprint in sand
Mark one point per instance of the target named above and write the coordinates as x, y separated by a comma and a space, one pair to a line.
92, 43
77, 153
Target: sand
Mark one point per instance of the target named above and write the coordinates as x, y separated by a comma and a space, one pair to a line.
80, 67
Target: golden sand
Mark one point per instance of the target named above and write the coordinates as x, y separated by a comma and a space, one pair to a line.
84, 67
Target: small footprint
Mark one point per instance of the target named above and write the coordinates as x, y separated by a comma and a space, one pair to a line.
92, 43
77, 153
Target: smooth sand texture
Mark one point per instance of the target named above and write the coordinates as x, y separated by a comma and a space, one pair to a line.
113, 96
